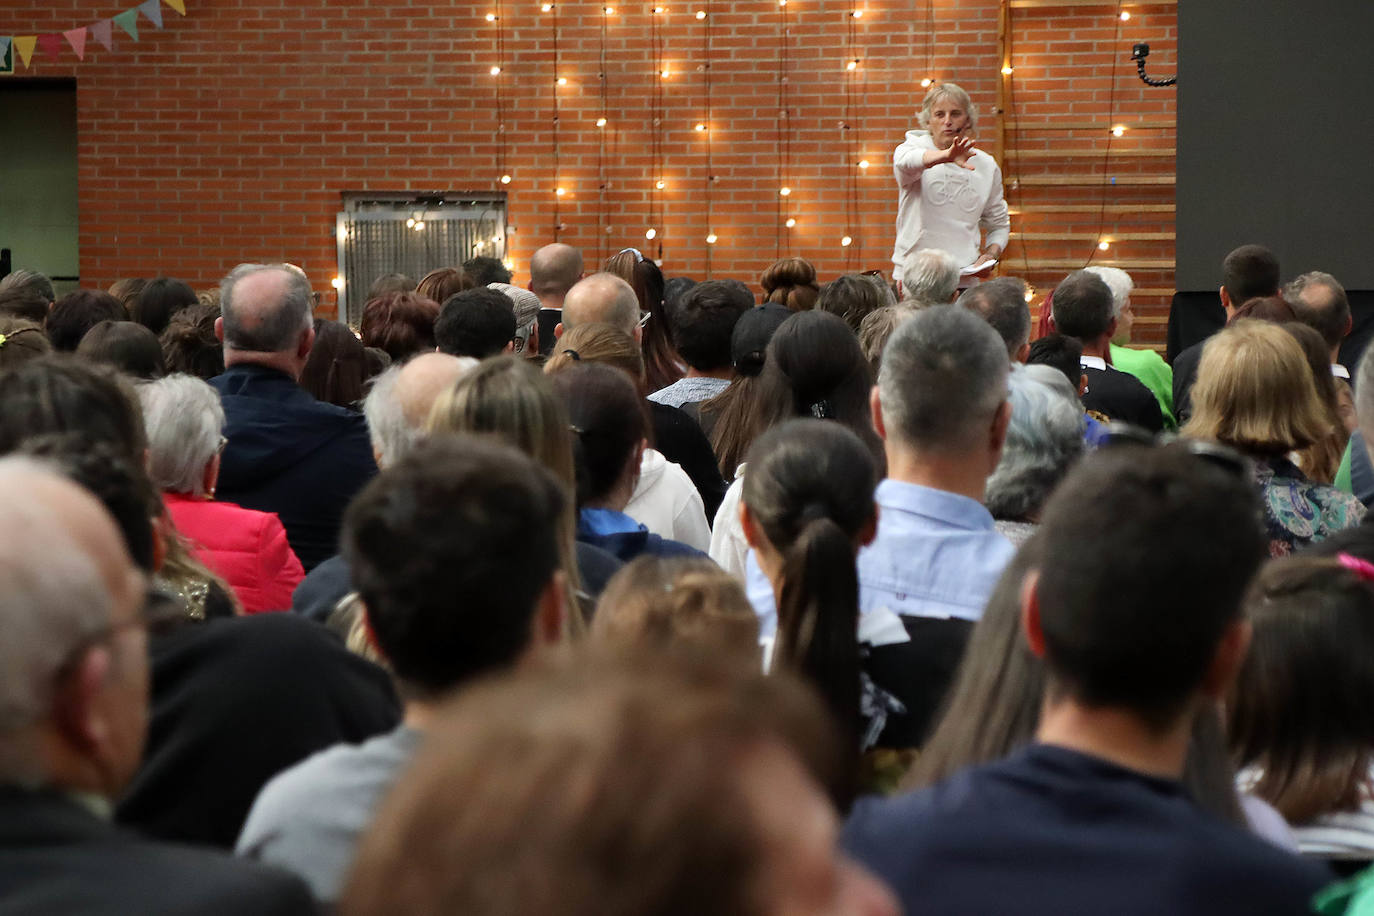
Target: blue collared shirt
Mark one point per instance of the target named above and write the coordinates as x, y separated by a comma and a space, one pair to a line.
937, 554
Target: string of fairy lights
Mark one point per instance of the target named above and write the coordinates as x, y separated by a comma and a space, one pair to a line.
704, 15
784, 220
849, 133
602, 226
657, 195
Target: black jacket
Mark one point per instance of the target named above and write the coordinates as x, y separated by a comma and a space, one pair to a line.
57, 857
1121, 396
293, 455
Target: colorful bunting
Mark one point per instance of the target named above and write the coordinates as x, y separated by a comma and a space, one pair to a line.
77, 39
51, 45
4, 44
153, 10
177, 5
128, 21
101, 31
24, 44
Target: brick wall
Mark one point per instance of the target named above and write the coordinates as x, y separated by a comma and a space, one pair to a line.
231, 133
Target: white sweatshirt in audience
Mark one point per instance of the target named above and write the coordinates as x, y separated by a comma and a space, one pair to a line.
667, 502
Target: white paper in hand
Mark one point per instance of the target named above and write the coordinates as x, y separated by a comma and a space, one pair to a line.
978, 268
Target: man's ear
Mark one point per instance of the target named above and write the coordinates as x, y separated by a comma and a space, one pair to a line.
75, 706
558, 330
1030, 613
753, 535
1226, 661
1225, 300
875, 407
998, 432
1054, 327
1111, 329
869, 532
1023, 354
551, 612
510, 347
305, 343
1082, 384
219, 329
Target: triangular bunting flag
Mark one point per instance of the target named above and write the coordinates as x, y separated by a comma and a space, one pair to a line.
24, 45
177, 5
153, 10
77, 39
4, 45
51, 45
128, 21
101, 31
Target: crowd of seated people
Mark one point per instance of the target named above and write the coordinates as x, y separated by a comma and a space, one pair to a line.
611, 592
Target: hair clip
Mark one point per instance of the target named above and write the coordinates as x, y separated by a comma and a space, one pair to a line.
1363, 569
822, 410
4, 339
573, 354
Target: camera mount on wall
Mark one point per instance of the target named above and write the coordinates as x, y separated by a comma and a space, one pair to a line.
1138, 54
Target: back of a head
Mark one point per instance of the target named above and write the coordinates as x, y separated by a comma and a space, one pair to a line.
597, 343
1296, 711
62, 394
400, 399
790, 282
1319, 301
1060, 352
439, 284
20, 341
1264, 308
1137, 629
525, 305
30, 281
24, 302
643, 275
853, 297
189, 343
128, 346
392, 283
79, 311
509, 399
402, 324
810, 489
704, 321
476, 322
875, 330
1118, 281
815, 368
1083, 306
335, 371
159, 301
608, 421
495, 816
1250, 271
1002, 304
1044, 439
554, 269
185, 423
931, 277
943, 379
127, 290
601, 298
661, 604
485, 269
450, 549
1255, 391
270, 314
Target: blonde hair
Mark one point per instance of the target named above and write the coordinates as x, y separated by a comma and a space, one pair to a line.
598, 343
1255, 391
661, 604
951, 91
507, 397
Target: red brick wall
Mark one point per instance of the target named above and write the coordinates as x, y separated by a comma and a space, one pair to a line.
231, 133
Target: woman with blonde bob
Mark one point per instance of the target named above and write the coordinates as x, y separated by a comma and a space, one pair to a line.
507, 397
1255, 393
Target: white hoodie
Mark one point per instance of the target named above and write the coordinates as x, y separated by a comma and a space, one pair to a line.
944, 205
667, 502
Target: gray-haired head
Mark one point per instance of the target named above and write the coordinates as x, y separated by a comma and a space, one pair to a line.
1118, 281
930, 277
1044, 439
1319, 301
185, 424
602, 298
1002, 304
943, 379
1364, 394
266, 307
953, 93
55, 599
30, 280
398, 404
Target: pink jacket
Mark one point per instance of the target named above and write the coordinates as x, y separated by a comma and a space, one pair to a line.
246, 548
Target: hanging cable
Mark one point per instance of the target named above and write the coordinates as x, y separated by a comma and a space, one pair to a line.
657, 188
498, 70
709, 128
784, 142
602, 128
1101, 244
558, 190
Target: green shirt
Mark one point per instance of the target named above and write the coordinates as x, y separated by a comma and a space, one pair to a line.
1154, 373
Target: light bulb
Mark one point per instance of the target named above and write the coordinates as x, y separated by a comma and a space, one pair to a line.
782, 2
1007, 70
700, 126
701, 14
785, 191
509, 264
610, 11
863, 163
852, 65
1103, 245
660, 185
600, 122
1030, 294
658, 9
410, 223
1125, 16
491, 17
711, 239
1118, 131
546, 7
560, 191
419, 224
858, 14
846, 241
562, 81
650, 234
495, 239
505, 179
925, 83
664, 74
337, 282
790, 223
495, 71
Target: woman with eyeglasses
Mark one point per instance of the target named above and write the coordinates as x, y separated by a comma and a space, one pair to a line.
247, 548
1255, 392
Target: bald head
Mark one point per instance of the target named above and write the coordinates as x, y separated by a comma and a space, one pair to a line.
267, 308
398, 405
553, 271
602, 298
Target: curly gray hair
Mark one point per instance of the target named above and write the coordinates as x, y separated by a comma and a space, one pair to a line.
1044, 440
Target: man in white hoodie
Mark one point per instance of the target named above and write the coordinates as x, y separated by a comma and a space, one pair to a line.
949, 190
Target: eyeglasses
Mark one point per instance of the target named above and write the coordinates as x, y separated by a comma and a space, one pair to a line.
1214, 453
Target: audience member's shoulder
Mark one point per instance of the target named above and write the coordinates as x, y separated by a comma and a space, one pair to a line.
193, 881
